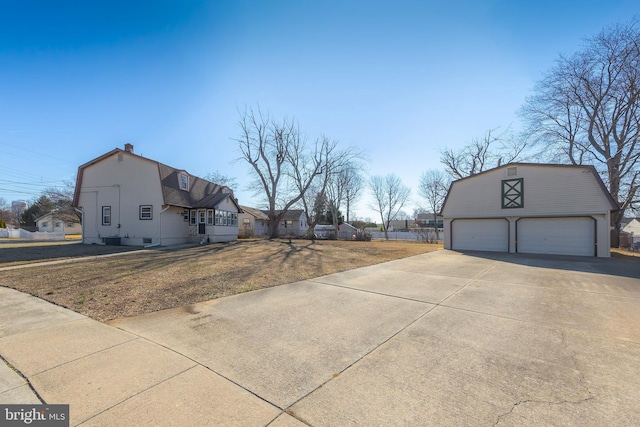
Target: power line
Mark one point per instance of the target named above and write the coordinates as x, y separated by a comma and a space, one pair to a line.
38, 184
39, 153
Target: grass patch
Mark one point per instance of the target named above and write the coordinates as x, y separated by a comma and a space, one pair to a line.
147, 281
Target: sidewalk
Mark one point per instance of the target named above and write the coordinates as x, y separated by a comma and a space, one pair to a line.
107, 375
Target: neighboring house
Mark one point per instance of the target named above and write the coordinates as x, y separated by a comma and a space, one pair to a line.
131, 200
252, 222
530, 208
293, 224
51, 222
632, 227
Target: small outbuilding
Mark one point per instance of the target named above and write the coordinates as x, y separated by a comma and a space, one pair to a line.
530, 208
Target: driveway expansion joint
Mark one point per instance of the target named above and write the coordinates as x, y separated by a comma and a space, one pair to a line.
21, 375
137, 394
197, 363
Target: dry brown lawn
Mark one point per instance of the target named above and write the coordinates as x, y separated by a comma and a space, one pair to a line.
625, 255
131, 284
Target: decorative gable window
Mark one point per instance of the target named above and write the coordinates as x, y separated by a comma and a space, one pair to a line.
512, 171
184, 181
512, 193
146, 212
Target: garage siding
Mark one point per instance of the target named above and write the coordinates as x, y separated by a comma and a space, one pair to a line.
480, 234
557, 236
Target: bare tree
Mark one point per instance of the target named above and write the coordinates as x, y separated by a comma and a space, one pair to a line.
586, 110
390, 196
221, 179
433, 187
344, 186
314, 203
335, 195
483, 153
5, 211
354, 184
336, 184
283, 165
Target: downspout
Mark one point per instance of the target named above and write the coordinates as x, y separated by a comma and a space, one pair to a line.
161, 212
119, 202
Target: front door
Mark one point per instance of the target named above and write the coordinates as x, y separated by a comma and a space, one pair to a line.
202, 217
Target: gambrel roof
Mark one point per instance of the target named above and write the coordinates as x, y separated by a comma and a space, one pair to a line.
200, 194
586, 168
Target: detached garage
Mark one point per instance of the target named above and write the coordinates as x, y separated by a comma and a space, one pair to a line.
530, 208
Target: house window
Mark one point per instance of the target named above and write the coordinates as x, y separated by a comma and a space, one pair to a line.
146, 212
226, 218
210, 217
45, 223
185, 215
201, 216
106, 215
192, 217
513, 193
513, 171
184, 181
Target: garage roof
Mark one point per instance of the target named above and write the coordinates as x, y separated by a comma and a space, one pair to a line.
590, 168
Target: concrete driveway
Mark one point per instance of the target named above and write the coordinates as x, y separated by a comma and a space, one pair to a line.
437, 339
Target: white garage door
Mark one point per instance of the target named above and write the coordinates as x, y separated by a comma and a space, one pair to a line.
559, 236
480, 235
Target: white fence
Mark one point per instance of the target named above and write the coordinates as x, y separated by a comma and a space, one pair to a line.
406, 235
19, 233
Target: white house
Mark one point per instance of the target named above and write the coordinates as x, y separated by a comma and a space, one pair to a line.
252, 222
294, 223
530, 208
131, 200
51, 222
632, 227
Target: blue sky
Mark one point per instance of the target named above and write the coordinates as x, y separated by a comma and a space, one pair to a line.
398, 79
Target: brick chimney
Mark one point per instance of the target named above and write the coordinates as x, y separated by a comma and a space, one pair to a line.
128, 147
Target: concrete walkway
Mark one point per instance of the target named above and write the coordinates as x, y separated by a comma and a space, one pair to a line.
437, 339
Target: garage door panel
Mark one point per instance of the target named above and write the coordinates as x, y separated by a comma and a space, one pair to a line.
557, 236
480, 235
